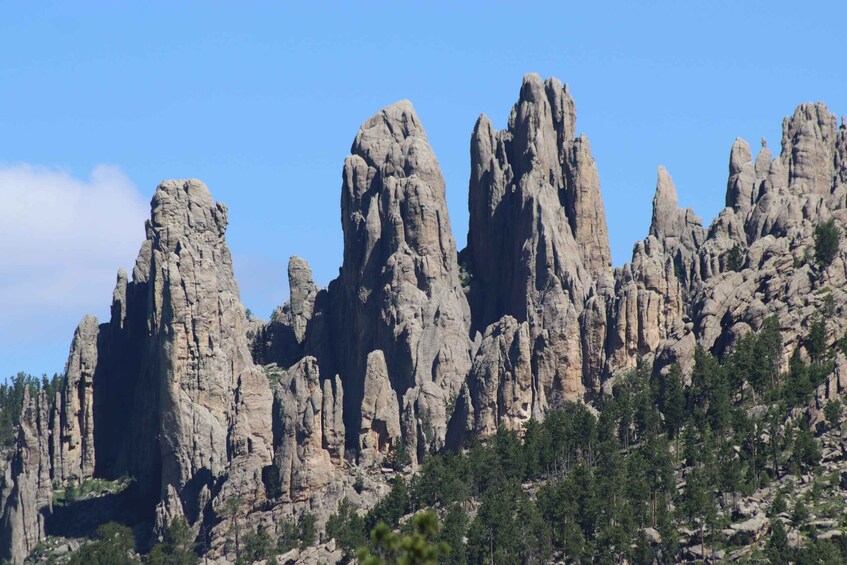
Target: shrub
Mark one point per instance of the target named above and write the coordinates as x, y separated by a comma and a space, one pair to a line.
257, 546
347, 528
734, 258
832, 411
827, 239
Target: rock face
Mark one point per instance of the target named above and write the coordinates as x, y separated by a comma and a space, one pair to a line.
301, 455
501, 390
214, 405
27, 492
537, 244
380, 426
283, 340
398, 291
166, 392
413, 345
74, 428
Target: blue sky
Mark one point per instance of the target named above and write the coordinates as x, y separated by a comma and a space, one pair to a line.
101, 101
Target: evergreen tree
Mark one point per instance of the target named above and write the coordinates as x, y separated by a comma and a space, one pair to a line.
257, 547
674, 401
798, 386
390, 509
178, 547
832, 412
418, 548
289, 535
800, 514
306, 527
816, 340
778, 550
452, 533
229, 512
806, 452
827, 240
698, 504
347, 528
770, 338
735, 258
114, 546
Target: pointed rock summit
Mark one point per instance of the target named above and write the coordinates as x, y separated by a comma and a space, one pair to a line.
537, 241
665, 207
398, 291
215, 403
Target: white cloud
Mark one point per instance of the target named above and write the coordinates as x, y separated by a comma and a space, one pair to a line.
62, 240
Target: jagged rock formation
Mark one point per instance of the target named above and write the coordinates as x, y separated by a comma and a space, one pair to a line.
501, 390
408, 347
649, 300
283, 339
537, 244
380, 425
27, 491
773, 208
73, 423
213, 412
398, 292
302, 448
166, 391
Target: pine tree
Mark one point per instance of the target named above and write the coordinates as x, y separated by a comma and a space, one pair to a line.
816, 341
827, 240
832, 412
778, 550
674, 402
418, 548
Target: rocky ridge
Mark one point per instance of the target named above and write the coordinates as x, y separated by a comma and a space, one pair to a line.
417, 346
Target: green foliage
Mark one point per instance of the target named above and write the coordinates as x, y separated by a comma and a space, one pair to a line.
306, 525
827, 240
258, 546
508, 528
289, 536
87, 489
177, 548
301, 533
832, 412
452, 533
390, 509
779, 505
114, 546
12, 396
709, 396
465, 277
673, 401
735, 258
800, 514
347, 528
421, 547
806, 452
778, 550
822, 551
585, 486
229, 511
798, 387
816, 341
698, 504
399, 457
755, 358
